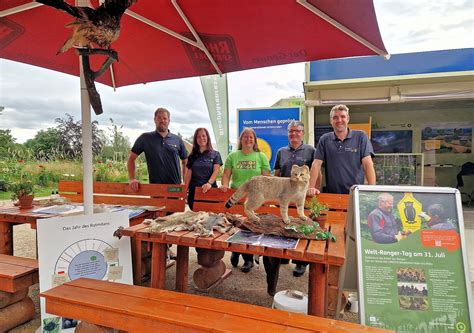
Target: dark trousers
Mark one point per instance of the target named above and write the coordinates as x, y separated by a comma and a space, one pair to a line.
247, 257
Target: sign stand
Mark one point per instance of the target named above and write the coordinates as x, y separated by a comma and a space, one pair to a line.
412, 268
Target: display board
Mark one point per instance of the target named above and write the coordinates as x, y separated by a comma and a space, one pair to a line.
412, 266
270, 125
81, 246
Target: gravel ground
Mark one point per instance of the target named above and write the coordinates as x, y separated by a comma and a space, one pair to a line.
240, 287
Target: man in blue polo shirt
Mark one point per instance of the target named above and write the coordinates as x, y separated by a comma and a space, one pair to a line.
163, 150
347, 156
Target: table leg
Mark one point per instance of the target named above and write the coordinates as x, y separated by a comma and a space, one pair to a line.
317, 290
158, 265
182, 260
136, 245
6, 238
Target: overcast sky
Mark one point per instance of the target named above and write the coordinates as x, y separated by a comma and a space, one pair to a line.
34, 97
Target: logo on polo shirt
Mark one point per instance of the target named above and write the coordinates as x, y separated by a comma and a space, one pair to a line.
350, 149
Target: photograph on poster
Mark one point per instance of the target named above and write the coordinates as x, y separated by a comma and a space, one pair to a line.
413, 274
444, 138
392, 141
392, 217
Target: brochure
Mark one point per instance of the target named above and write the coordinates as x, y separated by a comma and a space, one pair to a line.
76, 209
252, 238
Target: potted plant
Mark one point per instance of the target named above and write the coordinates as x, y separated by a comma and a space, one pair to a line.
317, 210
23, 191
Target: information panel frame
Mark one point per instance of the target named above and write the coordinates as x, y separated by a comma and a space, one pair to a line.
420, 281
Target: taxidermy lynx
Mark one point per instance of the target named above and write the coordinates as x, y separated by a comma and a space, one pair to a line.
263, 188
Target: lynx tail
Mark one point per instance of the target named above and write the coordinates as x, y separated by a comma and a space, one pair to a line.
241, 191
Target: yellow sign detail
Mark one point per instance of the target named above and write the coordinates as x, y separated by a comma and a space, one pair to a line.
409, 209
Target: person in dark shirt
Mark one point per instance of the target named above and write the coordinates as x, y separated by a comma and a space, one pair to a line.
383, 226
203, 165
163, 150
346, 154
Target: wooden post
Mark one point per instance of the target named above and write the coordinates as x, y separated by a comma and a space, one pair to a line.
158, 261
317, 290
6, 238
182, 260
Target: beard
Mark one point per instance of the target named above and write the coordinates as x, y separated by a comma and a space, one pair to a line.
162, 128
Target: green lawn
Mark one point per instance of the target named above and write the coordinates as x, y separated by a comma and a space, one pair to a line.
42, 192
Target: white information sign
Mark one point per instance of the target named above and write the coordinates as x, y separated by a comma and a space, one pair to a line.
81, 246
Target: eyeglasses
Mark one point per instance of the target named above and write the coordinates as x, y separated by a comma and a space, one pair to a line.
295, 131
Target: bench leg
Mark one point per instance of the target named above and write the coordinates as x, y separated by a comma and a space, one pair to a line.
158, 265
6, 238
317, 290
182, 260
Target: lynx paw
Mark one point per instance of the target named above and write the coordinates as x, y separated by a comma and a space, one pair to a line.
304, 218
287, 220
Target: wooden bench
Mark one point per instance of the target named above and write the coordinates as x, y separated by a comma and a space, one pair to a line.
16, 276
17, 273
214, 201
171, 197
139, 309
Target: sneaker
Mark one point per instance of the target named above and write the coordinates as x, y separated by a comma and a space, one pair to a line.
234, 259
299, 270
247, 267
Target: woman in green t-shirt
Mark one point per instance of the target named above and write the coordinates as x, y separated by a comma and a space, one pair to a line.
240, 166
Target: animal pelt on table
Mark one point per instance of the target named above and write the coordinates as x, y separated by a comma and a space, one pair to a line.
202, 223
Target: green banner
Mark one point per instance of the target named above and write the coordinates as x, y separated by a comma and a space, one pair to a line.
412, 273
215, 92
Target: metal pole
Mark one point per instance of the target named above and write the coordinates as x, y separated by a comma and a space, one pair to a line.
86, 138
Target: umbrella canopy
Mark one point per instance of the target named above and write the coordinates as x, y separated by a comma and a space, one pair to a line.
168, 39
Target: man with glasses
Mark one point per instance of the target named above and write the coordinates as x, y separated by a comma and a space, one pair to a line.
295, 153
347, 156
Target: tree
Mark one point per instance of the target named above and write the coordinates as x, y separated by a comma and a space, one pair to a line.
7, 142
45, 144
118, 145
70, 137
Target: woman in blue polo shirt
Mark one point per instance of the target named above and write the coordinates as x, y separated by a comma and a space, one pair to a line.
203, 165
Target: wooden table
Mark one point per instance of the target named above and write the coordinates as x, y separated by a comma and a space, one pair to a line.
10, 215
325, 258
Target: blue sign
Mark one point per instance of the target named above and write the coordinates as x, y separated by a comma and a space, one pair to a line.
270, 125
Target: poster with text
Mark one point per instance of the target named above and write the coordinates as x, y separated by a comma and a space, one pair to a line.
81, 246
412, 260
270, 125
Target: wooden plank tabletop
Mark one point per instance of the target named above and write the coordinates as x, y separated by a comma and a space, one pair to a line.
306, 250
